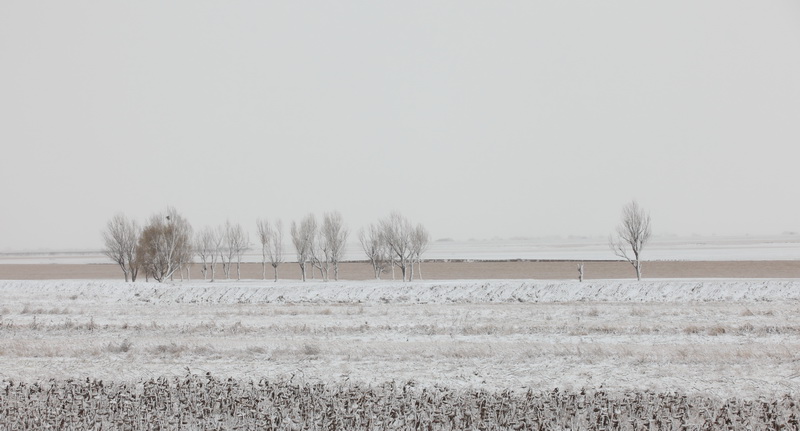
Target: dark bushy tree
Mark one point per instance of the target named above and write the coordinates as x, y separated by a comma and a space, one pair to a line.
165, 245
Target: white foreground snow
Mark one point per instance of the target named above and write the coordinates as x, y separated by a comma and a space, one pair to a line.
717, 337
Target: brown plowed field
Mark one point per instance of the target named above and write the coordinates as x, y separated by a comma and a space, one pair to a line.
548, 270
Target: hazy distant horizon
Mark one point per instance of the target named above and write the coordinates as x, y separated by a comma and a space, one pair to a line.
568, 243
478, 120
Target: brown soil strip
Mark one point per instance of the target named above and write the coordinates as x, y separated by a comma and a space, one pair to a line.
550, 270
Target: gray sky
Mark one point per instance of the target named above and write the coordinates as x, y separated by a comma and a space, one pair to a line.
478, 119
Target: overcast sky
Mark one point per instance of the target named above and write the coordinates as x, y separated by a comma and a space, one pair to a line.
478, 119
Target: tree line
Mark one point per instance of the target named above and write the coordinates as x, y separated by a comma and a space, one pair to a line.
167, 245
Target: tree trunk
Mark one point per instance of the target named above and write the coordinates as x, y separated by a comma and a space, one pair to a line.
638, 267
275, 268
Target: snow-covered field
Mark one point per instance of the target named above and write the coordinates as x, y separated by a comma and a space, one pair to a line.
713, 337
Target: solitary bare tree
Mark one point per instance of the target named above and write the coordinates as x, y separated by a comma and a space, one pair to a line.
303, 241
334, 237
165, 245
121, 239
375, 248
633, 232
271, 238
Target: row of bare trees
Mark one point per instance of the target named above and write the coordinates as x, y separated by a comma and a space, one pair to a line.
161, 248
395, 242
320, 246
167, 245
225, 244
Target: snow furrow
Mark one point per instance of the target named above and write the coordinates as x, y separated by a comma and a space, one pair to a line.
472, 291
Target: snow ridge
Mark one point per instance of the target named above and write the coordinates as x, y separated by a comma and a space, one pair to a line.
460, 291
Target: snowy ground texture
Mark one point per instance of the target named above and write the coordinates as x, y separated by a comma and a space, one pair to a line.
718, 338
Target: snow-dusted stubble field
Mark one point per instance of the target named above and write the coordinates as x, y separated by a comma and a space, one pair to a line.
717, 338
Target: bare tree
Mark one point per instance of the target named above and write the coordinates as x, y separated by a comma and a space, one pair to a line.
633, 232
264, 230
275, 249
237, 241
303, 241
420, 239
334, 235
165, 245
320, 255
226, 252
271, 238
204, 247
188, 266
121, 239
217, 238
374, 246
396, 231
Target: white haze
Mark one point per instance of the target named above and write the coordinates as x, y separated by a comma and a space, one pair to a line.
478, 119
